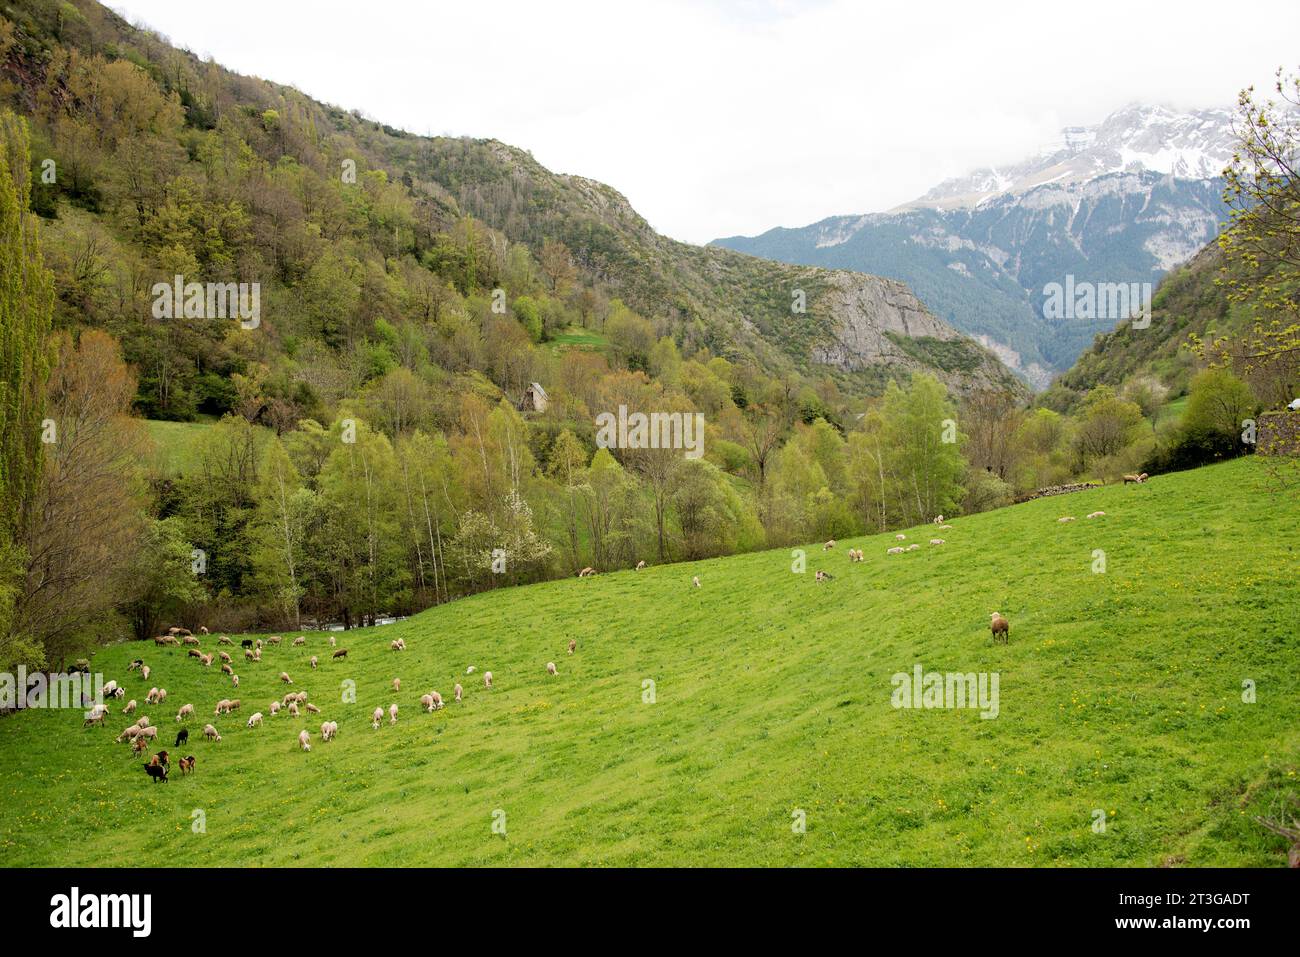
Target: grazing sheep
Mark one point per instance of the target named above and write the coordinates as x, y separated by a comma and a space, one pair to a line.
1000, 626
459, 691
487, 680
426, 702
896, 550
1065, 518
96, 715
223, 640
149, 733
130, 707
210, 733
224, 656
203, 629
900, 537
227, 670
829, 545
328, 729
331, 641
392, 713
135, 664
397, 684
938, 520
470, 670
189, 640
246, 643
223, 707
257, 654
822, 576
397, 644
110, 689
273, 640
157, 772
304, 740
165, 640
144, 672
300, 640
587, 572
162, 695
248, 654
285, 678
640, 565
275, 708
945, 528
182, 737
437, 700
195, 653
341, 653
255, 721
312, 709
1139, 479
235, 704
187, 710
377, 718
143, 722
128, 733
696, 581
234, 680
138, 745
187, 764
550, 668
913, 547
257, 645
573, 645
936, 541
207, 661
313, 662
293, 709
1096, 514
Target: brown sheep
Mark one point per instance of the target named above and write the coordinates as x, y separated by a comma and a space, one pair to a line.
1000, 626
341, 653
573, 645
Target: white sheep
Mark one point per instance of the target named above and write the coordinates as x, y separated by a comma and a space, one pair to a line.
459, 691
144, 672
936, 541
896, 550
469, 670
376, 718
275, 708
913, 547
285, 678
210, 732
900, 537
186, 711
696, 581
1096, 514
130, 707
327, 730
304, 740
293, 709
426, 702
392, 713
487, 680
397, 684
550, 668
313, 662
255, 721
1067, 518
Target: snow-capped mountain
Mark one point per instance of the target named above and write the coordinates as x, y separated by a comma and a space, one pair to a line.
1195, 145
1123, 201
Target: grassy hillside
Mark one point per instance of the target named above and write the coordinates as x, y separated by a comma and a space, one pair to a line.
1119, 691
175, 444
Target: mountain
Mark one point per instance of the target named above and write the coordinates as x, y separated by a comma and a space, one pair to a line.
859, 330
1120, 202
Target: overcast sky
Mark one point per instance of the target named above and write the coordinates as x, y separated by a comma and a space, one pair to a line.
733, 116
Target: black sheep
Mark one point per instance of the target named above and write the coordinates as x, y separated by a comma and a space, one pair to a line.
157, 772
182, 736
246, 643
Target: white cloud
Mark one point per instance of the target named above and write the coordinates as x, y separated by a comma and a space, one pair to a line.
739, 115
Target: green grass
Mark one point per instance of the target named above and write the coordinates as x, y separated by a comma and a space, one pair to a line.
1118, 691
575, 337
175, 444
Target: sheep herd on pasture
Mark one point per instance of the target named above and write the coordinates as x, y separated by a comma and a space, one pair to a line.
141, 733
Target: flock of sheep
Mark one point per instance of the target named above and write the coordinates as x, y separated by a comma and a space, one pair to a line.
141, 734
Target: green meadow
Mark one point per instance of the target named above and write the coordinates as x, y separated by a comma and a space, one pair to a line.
1120, 697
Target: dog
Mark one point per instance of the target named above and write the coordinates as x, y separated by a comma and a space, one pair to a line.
182, 736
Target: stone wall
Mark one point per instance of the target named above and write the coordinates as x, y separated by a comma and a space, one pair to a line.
1278, 433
